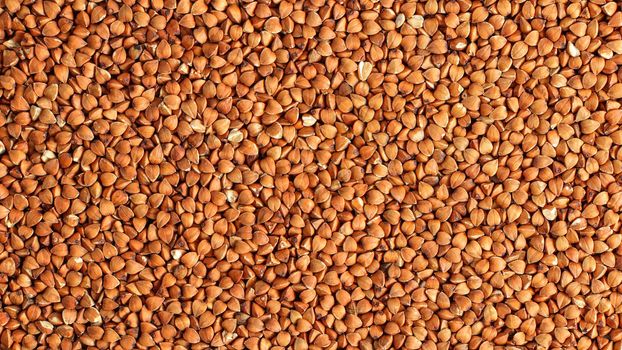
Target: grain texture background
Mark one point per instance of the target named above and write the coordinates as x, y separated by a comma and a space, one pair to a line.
306, 175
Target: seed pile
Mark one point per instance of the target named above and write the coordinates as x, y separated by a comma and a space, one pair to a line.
320, 174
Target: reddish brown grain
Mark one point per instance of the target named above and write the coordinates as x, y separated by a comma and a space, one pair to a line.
321, 174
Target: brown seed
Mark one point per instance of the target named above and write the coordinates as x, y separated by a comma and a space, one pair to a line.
322, 175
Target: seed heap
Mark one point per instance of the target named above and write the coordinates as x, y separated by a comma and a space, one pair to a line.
319, 174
